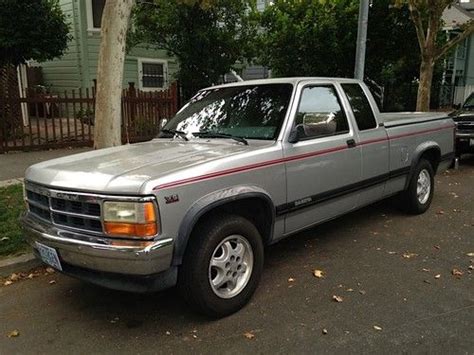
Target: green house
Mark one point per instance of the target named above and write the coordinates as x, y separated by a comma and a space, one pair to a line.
147, 67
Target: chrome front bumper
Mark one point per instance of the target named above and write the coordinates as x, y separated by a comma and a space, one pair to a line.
101, 254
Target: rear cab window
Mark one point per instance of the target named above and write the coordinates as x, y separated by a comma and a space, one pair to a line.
363, 113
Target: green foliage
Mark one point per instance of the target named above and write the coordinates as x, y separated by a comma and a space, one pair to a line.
309, 37
11, 207
31, 29
85, 115
318, 38
207, 37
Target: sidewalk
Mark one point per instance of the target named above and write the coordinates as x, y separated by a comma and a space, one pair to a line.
13, 165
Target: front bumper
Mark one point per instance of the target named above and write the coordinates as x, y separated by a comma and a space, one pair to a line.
100, 254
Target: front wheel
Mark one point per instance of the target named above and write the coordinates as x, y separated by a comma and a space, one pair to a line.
222, 265
416, 199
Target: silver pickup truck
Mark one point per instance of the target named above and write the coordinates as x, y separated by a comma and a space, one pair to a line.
239, 167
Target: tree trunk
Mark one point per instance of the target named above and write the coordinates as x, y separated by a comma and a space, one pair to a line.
114, 26
424, 89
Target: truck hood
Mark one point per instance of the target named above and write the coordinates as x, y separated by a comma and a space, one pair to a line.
464, 116
125, 169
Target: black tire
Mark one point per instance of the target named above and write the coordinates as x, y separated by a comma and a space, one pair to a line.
194, 275
409, 198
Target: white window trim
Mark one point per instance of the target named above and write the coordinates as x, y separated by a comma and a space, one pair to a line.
90, 22
140, 61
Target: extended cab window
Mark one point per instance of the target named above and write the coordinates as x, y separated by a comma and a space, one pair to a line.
360, 105
320, 113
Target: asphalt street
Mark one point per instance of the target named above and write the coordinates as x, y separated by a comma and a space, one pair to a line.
392, 272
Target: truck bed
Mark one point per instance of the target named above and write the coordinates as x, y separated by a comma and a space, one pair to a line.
391, 119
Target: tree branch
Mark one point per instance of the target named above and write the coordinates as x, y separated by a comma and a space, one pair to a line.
456, 40
420, 33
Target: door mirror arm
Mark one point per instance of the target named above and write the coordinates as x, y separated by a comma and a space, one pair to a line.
293, 138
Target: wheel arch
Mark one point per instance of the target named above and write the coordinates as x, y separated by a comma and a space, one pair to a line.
251, 202
428, 150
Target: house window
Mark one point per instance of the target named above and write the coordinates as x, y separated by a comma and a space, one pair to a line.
95, 8
152, 74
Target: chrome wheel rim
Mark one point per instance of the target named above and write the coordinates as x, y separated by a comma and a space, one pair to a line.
423, 186
231, 266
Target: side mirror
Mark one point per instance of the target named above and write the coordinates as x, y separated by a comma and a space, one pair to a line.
163, 122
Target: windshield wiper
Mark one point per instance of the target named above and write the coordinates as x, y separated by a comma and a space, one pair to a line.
175, 132
221, 135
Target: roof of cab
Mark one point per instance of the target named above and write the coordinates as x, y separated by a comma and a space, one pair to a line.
293, 81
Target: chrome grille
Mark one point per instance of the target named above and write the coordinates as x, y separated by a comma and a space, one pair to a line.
75, 211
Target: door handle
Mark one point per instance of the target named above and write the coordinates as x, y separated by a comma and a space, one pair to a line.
351, 143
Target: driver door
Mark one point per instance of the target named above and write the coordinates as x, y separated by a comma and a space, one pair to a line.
323, 162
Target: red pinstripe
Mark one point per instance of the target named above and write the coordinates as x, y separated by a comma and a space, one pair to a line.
288, 159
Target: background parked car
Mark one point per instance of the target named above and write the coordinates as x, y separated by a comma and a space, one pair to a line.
464, 119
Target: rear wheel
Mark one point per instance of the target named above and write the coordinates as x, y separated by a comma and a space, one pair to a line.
222, 265
416, 199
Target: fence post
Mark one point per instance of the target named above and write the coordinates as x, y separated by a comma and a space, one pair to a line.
174, 98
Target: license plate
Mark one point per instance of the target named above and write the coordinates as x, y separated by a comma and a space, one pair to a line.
471, 142
49, 255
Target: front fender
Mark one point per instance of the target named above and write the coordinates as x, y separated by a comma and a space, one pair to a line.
208, 203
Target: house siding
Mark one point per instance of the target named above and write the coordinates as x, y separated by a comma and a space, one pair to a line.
469, 68
62, 73
77, 68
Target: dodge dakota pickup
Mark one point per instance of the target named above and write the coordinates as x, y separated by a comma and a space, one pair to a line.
239, 167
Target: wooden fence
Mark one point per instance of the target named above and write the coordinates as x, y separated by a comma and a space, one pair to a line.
67, 119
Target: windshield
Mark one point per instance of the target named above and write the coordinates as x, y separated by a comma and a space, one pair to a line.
253, 112
469, 102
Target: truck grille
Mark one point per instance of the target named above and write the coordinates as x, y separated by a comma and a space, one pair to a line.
465, 126
66, 209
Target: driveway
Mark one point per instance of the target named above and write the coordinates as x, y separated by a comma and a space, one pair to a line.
392, 272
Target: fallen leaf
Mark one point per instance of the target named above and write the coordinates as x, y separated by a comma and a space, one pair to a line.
457, 273
376, 327
440, 212
168, 332
409, 255
470, 254
14, 277
362, 292
291, 279
318, 273
13, 334
427, 281
437, 276
471, 267
437, 247
425, 270
50, 270
350, 290
4, 239
52, 282
337, 298
392, 252
249, 335
7, 283
325, 331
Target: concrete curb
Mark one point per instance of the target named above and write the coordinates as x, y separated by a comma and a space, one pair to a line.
6, 183
22, 263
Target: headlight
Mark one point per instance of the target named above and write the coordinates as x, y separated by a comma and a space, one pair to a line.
130, 219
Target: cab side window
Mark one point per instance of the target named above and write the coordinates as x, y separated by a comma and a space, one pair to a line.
360, 105
320, 113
